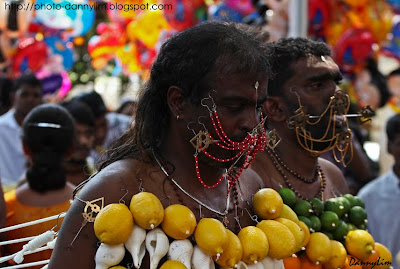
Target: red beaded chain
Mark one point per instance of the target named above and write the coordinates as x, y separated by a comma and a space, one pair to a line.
201, 180
224, 138
222, 160
252, 143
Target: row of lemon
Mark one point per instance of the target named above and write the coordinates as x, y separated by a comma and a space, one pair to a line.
115, 222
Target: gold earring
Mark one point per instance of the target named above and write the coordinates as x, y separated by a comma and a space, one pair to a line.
201, 141
273, 139
177, 117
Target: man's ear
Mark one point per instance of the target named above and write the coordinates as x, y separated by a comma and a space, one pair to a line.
70, 151
176, 102
12, 98
389, 147
26, 150
275, 109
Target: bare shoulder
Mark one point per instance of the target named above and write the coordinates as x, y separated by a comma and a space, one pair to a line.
108, 182
111, 184
259, 163
335, 181
251, 178
263, 166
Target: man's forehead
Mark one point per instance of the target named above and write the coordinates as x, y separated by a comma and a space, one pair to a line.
323, 61
29, 87
253, 82
83, 126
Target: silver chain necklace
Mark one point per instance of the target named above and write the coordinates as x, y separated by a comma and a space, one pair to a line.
223, 214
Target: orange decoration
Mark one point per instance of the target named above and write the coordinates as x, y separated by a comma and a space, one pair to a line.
305, 263
352, 263
292, 262
369, 263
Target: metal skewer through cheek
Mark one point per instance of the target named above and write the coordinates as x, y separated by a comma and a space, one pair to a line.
366, 112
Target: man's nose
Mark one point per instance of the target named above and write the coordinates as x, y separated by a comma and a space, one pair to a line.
250, 121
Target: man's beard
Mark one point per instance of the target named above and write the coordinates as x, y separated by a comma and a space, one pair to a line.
321, 136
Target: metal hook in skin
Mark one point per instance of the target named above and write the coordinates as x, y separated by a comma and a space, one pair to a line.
141, 189
214, 108
205, 105
294, 92
58, 218
122, 201
190, 129
167, 197
198, 120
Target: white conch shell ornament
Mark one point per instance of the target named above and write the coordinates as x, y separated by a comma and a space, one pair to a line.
201, 260
157, 245
181, 250
136, 245
272, 263
109, 255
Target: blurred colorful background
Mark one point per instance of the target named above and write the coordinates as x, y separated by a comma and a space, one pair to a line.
112, 46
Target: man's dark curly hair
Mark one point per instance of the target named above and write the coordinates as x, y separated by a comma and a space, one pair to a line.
393, 127
190, 60
287, 51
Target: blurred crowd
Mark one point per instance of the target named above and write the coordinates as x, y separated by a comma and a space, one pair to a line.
46, 150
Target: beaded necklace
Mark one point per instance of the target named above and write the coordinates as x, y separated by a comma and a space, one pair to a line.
321, 176
306, 180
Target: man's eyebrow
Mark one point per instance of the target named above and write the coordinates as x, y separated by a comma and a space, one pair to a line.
243, 100
262, 101
328, 75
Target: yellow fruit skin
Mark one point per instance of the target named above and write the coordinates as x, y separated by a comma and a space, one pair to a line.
179, 222
255, 244
288, 213
306, 230
232, 253
385, 256
267, 203
171, 264
280, 239
297, 232
319, 248
211, 236
113, 225
147, 210
360, 244
338, 256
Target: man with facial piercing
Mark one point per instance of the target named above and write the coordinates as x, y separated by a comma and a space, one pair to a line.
306, 116
198, 127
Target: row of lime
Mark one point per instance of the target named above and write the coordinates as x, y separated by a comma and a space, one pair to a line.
335, 217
